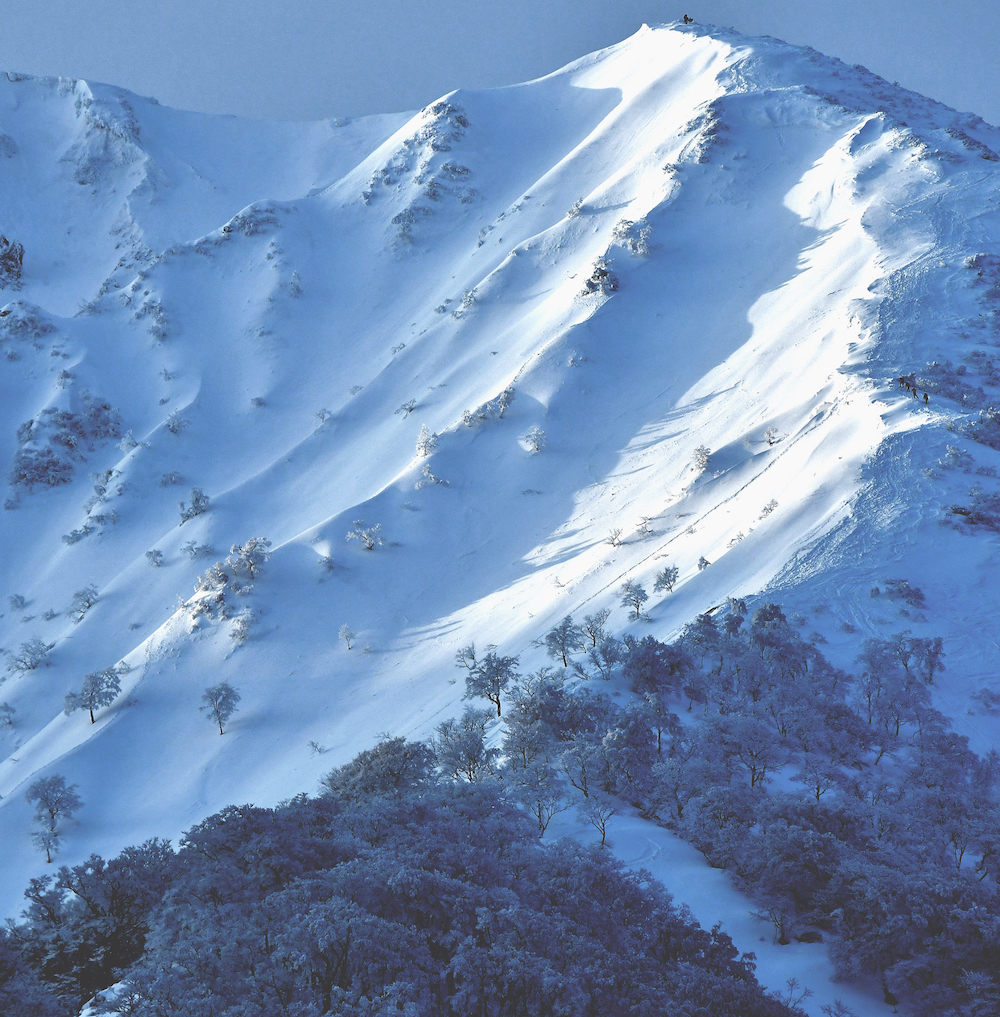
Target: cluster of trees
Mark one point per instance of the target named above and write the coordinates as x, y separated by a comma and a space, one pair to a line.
49, 444
844, 805
395, 891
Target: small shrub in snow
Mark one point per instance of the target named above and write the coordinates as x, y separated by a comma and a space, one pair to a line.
175, 423
239, 630
534, 440
426, 441
614, 537
258, 402
427, 479
601, 281
220, 703
83, 600
407, 408
703, 563
128, 443
17, 602
195, 550
575, 209
7, 715
634, 236
171, 479
198, 506
768, 509
155, 557
900, 589
347, 634
368, 536
772, 436
701, 456
644, 527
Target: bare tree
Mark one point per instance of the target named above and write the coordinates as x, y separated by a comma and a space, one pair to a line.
666, 578
593, 624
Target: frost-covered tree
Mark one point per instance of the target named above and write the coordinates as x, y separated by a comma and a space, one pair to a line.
563, 640
54, 800
30, 655
7, 715
666, 578
99, 689
247, 559
703, 563
155, 557
407, 408
347, 634
426, 441
242, 623
460, 747
614, 537
702, 454
633, 596
83, 600
487, 676
17, 602
220, 703
198, 506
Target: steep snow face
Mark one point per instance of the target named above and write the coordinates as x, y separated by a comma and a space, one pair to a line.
687, 241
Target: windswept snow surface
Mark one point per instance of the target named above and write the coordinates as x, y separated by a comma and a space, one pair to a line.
274, 311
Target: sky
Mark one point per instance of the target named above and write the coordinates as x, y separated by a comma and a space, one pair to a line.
309, 59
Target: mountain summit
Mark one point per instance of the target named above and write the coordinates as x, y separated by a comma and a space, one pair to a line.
695, 300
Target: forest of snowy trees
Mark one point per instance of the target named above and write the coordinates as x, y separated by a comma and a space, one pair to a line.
417, 882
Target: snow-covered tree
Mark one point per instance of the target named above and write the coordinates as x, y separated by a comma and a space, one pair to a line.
701, 456
534, 440
99, 689
30, 655
54, 800
247, 559
460, 747
155, 557
83, 600
347, 634
7, 715
666, 578
563, 640
220, 703
487, 676
633, 596
426, 441
198, 506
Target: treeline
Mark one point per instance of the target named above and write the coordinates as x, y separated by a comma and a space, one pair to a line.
396, 892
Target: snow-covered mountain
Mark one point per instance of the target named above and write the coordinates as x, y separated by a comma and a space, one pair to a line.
652, 308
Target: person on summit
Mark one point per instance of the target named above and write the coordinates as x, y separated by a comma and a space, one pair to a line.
688, 20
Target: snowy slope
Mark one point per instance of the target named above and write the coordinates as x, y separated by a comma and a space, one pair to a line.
808, 230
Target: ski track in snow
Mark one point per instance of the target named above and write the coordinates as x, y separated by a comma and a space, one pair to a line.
809, 230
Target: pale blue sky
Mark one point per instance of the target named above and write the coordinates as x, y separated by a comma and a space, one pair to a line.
300, 59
